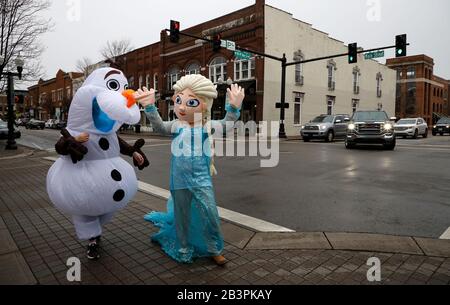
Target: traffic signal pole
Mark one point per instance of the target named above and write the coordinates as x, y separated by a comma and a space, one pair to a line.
284, 65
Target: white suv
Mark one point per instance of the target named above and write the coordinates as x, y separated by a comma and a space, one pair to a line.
413, 127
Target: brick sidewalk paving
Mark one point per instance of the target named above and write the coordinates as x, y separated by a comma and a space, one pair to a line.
36, 241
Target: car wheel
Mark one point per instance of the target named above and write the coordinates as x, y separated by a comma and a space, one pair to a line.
389, 146
425, 135
330, 137
306, 139
349, 146
416, 134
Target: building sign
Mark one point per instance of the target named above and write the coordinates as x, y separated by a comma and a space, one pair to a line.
372, 55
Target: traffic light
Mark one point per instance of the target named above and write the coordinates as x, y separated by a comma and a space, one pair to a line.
217, 42
174, 31
353, 53
400, 45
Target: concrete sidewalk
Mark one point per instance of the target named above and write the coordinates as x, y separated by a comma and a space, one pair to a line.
36, 240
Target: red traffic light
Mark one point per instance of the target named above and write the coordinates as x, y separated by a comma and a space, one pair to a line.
174, 31
217, 42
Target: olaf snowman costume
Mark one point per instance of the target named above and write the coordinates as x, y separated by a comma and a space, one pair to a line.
90, 181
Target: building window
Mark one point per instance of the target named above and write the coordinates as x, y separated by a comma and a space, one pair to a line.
131, 82
193, 69
331, 100
53, 96
355, 105
298, 101
141, 81
68, 93
148, 81
299, 78
399, 74
331, 66
60, 95
173, 77
379, 82
356, 78
244, 69
155, 82
411, 74
218, 69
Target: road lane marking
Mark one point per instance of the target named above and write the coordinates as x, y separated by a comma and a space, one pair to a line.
446, 235
231, 216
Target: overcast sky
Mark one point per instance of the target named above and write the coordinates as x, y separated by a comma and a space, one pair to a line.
78, 35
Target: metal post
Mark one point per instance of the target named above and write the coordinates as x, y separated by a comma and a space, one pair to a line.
11, 144
282, 133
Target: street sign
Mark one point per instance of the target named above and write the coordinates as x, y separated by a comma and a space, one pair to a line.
231, 45
242, 55
372, 55
228, 44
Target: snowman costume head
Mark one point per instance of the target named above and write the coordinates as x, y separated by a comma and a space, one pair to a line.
100, 107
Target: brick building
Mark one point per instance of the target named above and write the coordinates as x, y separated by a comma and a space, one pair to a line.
161, 64
21, 100
420, 93
50, 99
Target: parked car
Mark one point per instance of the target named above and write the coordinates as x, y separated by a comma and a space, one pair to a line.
442, 127
413, 127
22, 121
327, 127
371, 127
4, 131
60, 124
35, 124
50, 124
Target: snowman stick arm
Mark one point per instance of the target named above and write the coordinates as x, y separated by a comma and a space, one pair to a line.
125, 148
128, 150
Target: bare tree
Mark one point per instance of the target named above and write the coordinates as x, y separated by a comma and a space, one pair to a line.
115, 48
21, 26
84, 65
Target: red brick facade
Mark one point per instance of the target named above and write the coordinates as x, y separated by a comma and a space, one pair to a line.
151, 65
51, 99
419, 92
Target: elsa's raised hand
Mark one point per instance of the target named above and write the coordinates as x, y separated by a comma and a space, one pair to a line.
236, 95
145, 97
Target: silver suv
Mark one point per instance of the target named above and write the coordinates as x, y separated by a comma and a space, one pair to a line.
327, 127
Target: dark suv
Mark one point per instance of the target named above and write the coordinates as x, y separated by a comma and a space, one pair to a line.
442, 127
371, 127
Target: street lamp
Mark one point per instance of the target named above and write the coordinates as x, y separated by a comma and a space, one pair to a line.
11, 143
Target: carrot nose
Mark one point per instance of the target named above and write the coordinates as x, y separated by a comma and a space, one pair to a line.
129, 95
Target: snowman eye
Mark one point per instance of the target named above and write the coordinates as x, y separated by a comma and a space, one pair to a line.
178, 100
126, 87
193, 103
113, 85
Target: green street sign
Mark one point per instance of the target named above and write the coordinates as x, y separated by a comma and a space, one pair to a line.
372, 55
242, 55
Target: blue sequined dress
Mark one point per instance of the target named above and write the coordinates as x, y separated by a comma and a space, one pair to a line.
191, 226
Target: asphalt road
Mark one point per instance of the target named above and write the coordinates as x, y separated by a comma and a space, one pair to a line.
324, 187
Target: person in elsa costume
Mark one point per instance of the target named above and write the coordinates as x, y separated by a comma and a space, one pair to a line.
191, 227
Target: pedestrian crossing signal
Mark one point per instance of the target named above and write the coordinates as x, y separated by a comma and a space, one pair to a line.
353, 53
174, 31
400, 45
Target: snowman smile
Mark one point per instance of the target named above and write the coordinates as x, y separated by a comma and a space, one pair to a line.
101, 120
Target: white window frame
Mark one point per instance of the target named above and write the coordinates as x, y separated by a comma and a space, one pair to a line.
356, 81
333, 100
239, 72
331, 79
299, 77
141, 81
355, 104
193, 68
379, 85
213, 76
299, 99
147, 81
173, 76
155, 82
